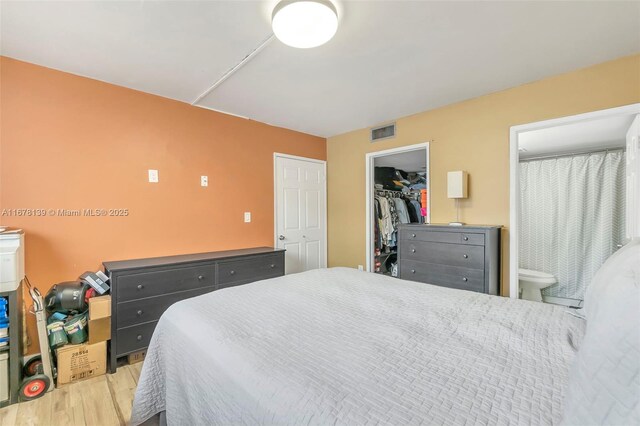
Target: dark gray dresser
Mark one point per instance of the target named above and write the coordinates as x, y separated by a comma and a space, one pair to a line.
142, 289
463, 257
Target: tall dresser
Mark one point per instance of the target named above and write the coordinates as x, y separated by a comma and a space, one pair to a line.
142, 289
462, 257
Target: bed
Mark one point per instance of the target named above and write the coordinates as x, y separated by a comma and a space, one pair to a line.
341, 346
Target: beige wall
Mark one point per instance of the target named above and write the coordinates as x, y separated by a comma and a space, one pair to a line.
472, 136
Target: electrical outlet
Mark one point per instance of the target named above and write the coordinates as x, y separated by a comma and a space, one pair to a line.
204, 181
153, 176
247, 217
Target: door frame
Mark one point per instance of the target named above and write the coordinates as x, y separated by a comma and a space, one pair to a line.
277, 155
514, 175
369, 190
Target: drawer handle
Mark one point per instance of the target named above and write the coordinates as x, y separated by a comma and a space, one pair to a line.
139, 337
272, 266
139, 313
232, 272
465, 279
413, 271
465, 256
466, 238
413, 250
200, 277
413, 235
140, 286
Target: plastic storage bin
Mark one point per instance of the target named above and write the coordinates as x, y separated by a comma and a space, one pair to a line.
4, 376
11, 260
4, 322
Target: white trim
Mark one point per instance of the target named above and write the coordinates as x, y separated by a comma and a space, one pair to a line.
296, 157
277, 155
369, 182
514, 174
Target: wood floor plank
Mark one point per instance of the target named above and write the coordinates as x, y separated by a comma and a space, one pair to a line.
8, 415
135, 370
99, 409
100, 401
67, 408
122, 386
36, 412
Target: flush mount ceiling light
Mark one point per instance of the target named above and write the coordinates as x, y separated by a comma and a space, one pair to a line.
304, 23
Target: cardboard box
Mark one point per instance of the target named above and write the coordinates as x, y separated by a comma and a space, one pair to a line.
99, 307
99, 330
137, 357
77, 362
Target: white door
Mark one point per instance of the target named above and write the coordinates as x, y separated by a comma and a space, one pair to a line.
633, 179
301, 221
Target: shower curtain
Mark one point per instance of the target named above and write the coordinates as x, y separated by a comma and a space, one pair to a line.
571, 217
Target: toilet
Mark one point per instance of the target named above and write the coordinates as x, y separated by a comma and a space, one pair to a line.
532, 282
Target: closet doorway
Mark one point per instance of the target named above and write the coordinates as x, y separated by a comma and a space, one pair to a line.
397, 191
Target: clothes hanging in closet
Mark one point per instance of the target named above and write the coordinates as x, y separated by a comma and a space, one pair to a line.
401, 210
417, 211
389, 212
386, 221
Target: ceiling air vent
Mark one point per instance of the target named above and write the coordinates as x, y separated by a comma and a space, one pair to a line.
384, 132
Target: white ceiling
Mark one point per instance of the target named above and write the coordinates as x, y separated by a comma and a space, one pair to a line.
585, 136
411, 161
388, 59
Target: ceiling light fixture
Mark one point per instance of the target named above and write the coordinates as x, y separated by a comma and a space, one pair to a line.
304, 23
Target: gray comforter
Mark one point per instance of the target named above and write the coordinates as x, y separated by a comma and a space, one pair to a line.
348, 347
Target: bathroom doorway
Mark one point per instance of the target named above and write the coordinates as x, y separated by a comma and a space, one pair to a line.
574, 197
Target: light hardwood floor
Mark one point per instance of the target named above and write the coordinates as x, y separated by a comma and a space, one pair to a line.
101, 401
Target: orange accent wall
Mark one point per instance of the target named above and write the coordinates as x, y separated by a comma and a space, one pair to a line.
68, 142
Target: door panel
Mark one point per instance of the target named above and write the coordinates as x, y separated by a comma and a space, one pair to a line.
301, 213
312, 254
291, 209
312, 210
293, 259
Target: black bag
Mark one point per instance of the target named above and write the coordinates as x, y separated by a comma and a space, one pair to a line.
385, 176
67, 297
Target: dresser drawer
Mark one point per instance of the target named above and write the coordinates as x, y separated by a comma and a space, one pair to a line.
237, 272
147, 284
443, 275
466, 256
150, 309
131, 339
417, 234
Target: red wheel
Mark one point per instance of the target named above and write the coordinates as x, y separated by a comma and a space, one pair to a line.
33, 366
34, 387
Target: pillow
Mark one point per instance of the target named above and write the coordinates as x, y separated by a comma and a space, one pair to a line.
604, 381
602, 279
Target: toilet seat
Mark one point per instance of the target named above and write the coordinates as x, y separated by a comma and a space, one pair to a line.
537, 276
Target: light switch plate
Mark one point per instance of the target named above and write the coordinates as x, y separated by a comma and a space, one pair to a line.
153, 176
204, 181
247, 217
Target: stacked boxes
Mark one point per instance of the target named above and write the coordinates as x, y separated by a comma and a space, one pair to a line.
99, 319
76, 362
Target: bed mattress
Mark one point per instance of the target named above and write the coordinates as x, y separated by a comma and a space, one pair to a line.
341, 346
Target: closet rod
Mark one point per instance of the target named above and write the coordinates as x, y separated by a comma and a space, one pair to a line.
395, 193
571, 154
